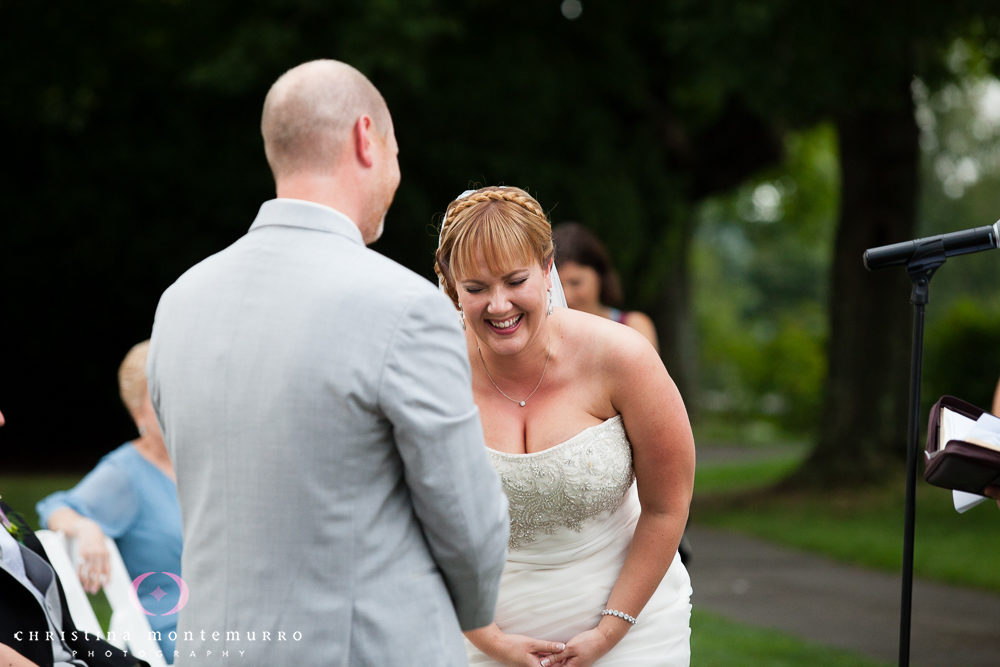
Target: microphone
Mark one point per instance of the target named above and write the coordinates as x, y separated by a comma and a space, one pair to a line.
952, 243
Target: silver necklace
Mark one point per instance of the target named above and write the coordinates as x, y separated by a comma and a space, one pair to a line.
548, 354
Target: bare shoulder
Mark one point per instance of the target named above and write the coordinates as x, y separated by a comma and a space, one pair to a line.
607, 344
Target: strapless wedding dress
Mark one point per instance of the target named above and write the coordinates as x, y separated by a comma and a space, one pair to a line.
573, 509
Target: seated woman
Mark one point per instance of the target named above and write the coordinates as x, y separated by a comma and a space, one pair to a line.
599, 475
130, 496
590, 280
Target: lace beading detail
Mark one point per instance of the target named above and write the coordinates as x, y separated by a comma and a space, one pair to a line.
566, 484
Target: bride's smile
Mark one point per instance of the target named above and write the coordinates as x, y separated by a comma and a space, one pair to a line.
507, 326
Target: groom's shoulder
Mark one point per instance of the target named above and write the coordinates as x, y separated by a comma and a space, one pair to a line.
205, 270
398, 292
388, 274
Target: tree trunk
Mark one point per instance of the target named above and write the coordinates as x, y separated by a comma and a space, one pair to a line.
864, 429
672, 312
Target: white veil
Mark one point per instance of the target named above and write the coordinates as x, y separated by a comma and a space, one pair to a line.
558, 295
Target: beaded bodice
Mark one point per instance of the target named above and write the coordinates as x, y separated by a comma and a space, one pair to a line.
566, 484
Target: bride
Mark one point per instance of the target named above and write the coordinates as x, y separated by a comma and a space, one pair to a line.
593, 445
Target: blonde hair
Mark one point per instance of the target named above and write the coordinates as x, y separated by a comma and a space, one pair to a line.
310, 111
506, 224
132, 376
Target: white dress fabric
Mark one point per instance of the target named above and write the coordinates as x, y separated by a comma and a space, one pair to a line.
573, 509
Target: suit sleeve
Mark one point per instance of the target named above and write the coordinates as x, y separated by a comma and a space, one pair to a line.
426, 393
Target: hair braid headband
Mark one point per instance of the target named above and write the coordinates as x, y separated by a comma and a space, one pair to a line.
471, 198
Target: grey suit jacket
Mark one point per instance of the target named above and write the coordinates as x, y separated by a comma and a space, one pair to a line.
338, 504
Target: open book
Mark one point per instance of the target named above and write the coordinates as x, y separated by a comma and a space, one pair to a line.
984, 431
963, 450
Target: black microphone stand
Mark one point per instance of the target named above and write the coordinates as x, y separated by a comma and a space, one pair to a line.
927, 258
922, 258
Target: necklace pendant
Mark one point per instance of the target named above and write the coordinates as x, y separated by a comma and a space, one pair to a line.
522, 403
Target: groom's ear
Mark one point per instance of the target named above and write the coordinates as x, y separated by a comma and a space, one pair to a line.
363, 141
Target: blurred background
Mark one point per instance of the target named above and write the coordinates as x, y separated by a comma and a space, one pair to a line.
736, 157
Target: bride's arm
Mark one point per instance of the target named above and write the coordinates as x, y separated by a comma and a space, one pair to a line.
514, 649
657, 424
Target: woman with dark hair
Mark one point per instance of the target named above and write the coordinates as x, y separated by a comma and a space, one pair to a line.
590, 280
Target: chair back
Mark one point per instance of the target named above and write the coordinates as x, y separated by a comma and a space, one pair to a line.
58, 550
128, 619
128, 627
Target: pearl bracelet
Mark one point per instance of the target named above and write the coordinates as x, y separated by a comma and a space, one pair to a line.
620, 614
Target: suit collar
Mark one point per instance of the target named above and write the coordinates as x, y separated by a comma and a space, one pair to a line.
306, 215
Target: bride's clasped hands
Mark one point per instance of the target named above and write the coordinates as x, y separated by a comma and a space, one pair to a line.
582, 650
517, 650
523, 651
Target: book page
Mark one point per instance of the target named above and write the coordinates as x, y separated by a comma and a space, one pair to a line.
985, 432
952, 426
965, 501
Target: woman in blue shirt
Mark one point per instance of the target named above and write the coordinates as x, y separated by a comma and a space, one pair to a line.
130, 496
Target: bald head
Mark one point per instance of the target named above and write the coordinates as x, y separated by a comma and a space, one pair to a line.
309, 114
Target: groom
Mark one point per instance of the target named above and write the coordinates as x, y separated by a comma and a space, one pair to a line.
337, 501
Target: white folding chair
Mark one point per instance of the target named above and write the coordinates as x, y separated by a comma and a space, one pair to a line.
128, 627
57, 548
127, 617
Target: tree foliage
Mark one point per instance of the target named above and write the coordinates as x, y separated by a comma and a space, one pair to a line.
854, 66
135, 152
761, 255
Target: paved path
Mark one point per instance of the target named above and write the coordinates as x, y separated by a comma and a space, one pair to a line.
757, 583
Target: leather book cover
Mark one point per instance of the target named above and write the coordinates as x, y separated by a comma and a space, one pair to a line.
957, 463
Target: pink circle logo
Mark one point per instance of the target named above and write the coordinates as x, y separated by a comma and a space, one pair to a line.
158, 593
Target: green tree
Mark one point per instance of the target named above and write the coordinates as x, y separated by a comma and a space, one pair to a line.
853, 65
865, 408
761, 254
137, 153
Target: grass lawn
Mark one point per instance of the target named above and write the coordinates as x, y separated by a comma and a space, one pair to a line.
861, 527
22, 491
718, 642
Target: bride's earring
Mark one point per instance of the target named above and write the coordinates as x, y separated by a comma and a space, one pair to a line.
549, 311
461, 316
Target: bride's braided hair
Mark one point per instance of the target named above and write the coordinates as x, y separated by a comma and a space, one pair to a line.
505, 223
493, 193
